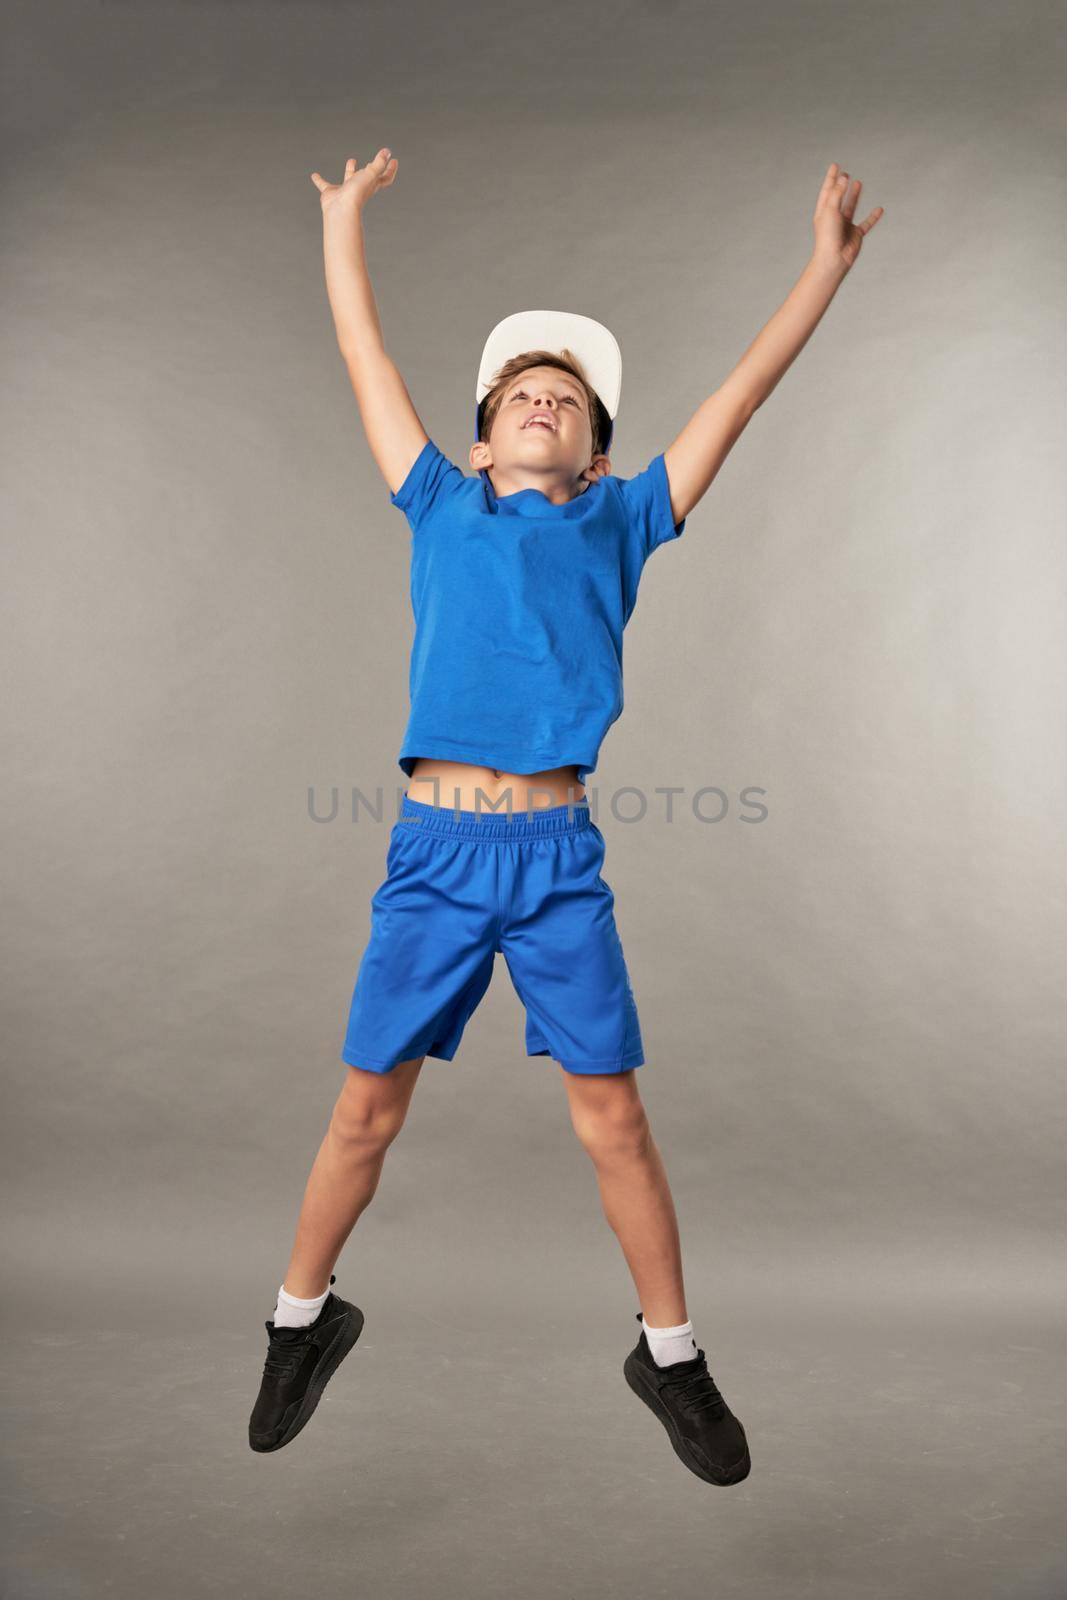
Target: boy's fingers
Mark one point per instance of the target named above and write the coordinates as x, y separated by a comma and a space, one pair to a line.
827, 184
382, 162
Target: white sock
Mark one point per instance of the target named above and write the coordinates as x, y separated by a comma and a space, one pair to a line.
669, 1345
293, 1313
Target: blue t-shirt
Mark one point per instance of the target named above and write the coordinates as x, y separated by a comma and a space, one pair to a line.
520, 607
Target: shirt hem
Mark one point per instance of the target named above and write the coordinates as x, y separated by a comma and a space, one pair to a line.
515, 761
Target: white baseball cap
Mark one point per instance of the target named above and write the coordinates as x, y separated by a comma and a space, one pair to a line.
594, 345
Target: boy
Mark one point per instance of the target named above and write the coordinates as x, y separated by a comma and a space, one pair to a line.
523, 579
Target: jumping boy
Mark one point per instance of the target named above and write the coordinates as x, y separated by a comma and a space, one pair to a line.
523, 579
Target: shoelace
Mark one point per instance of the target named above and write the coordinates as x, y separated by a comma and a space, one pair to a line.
696, 1390
283, 1357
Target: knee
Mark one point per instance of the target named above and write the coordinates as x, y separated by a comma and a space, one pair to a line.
364, 1125
614, 1132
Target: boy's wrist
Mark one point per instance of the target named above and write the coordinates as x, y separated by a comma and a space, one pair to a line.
830, 268
347, 222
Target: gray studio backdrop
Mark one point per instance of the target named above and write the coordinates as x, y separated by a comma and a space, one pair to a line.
852, 1010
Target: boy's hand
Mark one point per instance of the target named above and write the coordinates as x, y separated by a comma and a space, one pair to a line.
359, 183
837, 237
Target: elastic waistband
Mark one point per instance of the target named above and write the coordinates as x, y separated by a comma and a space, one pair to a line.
538, 822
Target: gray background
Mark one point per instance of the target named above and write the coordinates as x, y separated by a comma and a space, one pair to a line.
853, 1012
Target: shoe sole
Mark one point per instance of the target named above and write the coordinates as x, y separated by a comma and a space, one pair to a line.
633, 1374
335, 1353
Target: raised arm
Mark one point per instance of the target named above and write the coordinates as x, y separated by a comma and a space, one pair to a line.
390, 421
695, 457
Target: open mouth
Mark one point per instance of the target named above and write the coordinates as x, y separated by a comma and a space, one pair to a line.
539, 422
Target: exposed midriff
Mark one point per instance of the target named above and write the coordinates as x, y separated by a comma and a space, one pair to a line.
457, 785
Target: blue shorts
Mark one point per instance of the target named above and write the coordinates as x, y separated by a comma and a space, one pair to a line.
463, 886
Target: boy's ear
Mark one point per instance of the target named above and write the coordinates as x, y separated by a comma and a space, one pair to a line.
480, 455
599, 467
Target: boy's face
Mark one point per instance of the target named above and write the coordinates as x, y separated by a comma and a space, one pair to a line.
542, 430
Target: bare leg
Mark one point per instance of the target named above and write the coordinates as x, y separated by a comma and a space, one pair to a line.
367, 1117
611, 1123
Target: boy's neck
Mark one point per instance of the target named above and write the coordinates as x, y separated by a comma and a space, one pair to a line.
557, 494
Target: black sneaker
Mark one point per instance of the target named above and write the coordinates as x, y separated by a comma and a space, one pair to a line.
705, 1434
300, 1362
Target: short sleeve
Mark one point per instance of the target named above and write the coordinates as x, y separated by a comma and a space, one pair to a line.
647, 499
432, 479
